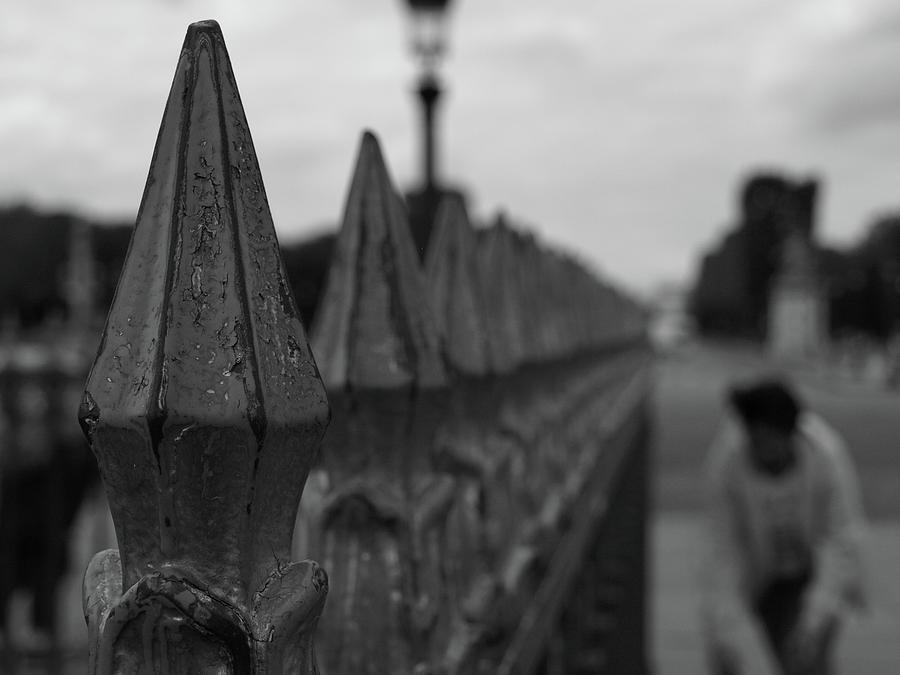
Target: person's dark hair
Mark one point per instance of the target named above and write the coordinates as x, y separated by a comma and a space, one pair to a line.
769, 402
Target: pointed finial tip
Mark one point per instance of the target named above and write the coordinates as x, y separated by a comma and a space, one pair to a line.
369, 137
369, 148
206, 26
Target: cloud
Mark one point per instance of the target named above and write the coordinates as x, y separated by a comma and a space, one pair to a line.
618, 129
841, 77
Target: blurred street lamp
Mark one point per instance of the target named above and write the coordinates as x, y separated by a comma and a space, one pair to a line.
428, 24
428, 40
428, 29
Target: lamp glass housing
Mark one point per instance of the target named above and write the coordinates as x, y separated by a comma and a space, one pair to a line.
428, 30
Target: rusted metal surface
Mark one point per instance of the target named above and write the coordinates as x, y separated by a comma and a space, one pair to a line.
204, 409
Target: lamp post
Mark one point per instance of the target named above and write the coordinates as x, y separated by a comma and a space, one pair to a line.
428, 24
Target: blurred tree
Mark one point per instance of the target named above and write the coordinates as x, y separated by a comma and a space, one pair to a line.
732, 290
730, 296
879, 256
307, 264
35, 250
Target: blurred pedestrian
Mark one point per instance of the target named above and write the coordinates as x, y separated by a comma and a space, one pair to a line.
785, 521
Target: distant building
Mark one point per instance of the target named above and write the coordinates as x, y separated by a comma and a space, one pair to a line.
798, 303
731, 295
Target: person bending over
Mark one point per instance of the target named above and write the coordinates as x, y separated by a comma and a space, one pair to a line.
784, 530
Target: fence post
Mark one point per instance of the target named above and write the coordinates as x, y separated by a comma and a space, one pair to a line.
384, 510
204, 409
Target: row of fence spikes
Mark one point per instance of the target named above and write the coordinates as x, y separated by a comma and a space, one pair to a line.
494, 299
487, 300
553, 305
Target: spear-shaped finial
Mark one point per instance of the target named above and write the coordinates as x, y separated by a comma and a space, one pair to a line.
375, 329
204, 408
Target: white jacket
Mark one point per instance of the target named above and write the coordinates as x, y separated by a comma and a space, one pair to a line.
763, 527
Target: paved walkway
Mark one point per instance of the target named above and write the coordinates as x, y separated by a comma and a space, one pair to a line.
869, 646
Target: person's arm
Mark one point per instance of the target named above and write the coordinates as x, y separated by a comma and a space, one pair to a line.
837, 584
732, 628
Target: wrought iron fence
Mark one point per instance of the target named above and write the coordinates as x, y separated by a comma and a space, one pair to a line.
479, 504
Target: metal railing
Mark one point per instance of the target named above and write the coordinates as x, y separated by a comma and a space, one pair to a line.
479, 503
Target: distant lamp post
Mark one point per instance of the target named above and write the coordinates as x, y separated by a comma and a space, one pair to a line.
428, 39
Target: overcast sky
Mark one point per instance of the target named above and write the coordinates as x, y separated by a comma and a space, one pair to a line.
620, 129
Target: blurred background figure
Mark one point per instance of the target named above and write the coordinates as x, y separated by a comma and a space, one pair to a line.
47, 473
784, 530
